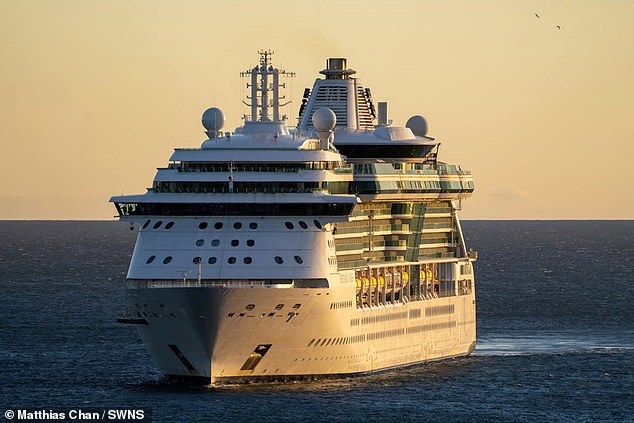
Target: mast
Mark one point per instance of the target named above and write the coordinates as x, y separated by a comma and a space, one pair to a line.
263, 108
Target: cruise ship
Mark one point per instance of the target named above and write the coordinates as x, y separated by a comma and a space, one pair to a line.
327, 250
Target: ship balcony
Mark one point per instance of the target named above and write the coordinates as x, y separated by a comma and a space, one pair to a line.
237, 189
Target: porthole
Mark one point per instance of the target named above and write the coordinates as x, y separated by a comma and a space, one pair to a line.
303, 224
250, 243
212, 260
235, 242
248, 260
202, 225
196, 260
253, 225
169, 225
218, 225
158, 224
289, 225
317, 224
147, 223
279, 307
231, 260
200, 242
237, 225
167, 259
215, 242
150, 259
298, 259
279, 260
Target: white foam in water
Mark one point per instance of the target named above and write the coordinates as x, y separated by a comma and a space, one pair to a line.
551, 343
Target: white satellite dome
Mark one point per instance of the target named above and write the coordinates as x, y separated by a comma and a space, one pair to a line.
213, 119
418, 125
324, 119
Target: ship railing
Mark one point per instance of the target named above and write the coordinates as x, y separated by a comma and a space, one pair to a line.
188, 190
432, 172
195, 283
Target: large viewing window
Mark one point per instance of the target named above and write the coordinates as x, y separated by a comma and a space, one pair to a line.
234, 209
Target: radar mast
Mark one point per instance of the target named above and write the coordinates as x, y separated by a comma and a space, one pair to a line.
264, 109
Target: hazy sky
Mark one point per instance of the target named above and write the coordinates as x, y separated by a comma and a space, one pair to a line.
96, 94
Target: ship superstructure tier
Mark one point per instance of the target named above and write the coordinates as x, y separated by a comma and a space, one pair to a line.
330, 249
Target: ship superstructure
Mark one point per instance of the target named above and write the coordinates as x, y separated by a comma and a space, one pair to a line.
332, 249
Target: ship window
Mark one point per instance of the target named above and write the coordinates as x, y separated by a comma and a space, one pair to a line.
146, 224
212, 260
237, 225
231, 260
215, 242
297, 306
200, 242
250, 243
150, 259
196, 260
279, 307
298, 259
248, 260
218, 225
167, 259
279, 260
253, 225
169, 225
303, 224
202, 225
235, 242
249, 307
289, 225
158, 224
317, 224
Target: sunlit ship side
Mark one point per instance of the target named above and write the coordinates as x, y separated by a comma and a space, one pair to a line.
333, 249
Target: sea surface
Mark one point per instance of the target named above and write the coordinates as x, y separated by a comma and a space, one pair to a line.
555, 335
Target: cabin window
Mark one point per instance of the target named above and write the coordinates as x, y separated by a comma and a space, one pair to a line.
202, 225
289, 225
250, 243
237, 225
167, 259
200, 242
253, 225
218, 225
150, 259
212, 260
279, 260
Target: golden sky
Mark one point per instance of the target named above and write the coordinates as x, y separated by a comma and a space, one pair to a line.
96, 94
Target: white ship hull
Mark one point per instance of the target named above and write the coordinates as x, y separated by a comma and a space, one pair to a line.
207, 333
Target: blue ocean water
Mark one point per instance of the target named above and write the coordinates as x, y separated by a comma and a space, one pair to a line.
555, 335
